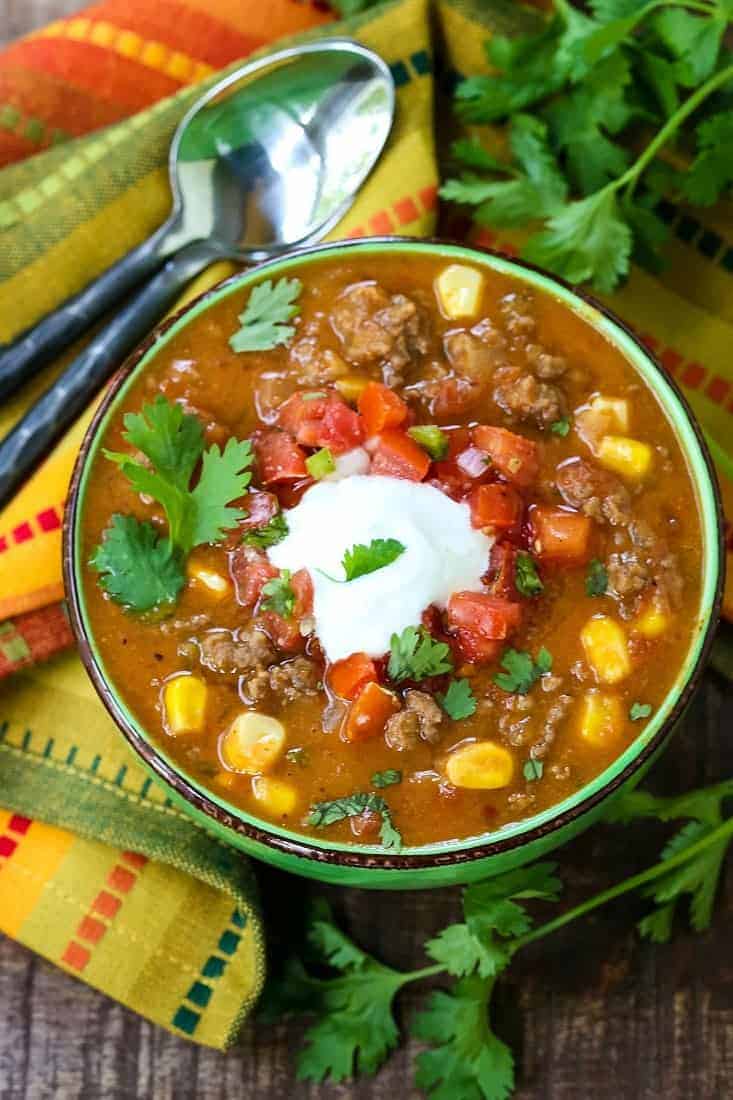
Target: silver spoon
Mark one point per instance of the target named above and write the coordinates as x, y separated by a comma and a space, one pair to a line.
268, 159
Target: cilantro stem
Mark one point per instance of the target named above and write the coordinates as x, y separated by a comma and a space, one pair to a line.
424, 972
628, 884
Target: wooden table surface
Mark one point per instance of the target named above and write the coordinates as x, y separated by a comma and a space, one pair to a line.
592, 1012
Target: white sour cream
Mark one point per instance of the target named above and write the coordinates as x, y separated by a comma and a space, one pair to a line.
444, 554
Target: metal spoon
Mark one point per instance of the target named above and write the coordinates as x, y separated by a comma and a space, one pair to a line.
268, 159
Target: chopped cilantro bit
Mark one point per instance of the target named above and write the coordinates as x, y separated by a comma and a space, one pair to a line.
320, 464
313, 396
352, 805
361, 560
264, 320
431, 438
560, 427
279, 595
532, 770
596, 581
138, 567
386, 778
269, 534
640, 710
521, 672
415, 655
459, 700
526, 578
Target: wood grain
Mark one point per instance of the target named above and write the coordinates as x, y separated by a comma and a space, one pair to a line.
594, 1013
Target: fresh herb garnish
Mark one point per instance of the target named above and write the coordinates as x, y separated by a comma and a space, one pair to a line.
640, 710
264, 320
279, 595
560, 427
354, 1028
573, 94
172, 443
521, 672
596, 580
352, 805
526, 577
459, 700
386, 778
320, 464
533, 770
415, 655
361, 560
269, 534
431, 438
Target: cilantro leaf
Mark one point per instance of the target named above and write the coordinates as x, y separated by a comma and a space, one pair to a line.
361, 560
711, 172
431, 438
526, 578
137, 566
264, 320
169, 438
459, 700
596, 579
471, 153
521, 672
694, 42
386, 778
279, 595
269, 534
415, 655
176, 503
533, 770
352, 805
224, 477
560, 427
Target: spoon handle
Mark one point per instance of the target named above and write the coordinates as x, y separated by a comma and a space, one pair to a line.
37, 346
38, 430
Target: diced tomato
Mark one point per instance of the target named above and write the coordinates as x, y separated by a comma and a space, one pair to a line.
321, 422
260, 507
560, 534
481, 623
279, 458
302, 586
299, 409
284, 633
454, 397
249, 570
348, 676
369, 713
500, 575
447, 475
396, 455
515, 457
341, 428
495, 505
381, 408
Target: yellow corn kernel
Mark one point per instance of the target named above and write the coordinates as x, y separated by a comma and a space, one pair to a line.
214, 583
612, 413
459, 290
629, 457
276, 797
653, 620
601, 718
351, 387
184, 700
253, 743
481, 766
604, 642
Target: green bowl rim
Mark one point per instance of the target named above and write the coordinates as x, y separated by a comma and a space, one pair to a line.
451, 852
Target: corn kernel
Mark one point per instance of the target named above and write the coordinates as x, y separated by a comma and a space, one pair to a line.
604, 642
481, 765
274, 795
612, 413
253, 743
653, 620
214, 583
459, 290
601, 718
184, 701
351, 387
629, 457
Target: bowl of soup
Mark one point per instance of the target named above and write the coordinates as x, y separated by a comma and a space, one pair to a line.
394, 561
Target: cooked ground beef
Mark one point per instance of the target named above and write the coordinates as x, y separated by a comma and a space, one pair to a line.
420, 718
374, 327
519, 321
545, 366
554, 717
523, 397
315, 364
289, 681
471, 357
596, 492
234, 653
628, 573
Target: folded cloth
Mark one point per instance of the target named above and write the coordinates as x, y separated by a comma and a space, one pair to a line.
65, 214
99, 873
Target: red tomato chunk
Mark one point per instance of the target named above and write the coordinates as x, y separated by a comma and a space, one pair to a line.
381, 408
279, 458
480, 622
515, 458
495, 506
396, 455
559, 534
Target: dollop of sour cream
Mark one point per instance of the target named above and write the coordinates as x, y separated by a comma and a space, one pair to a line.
443, 554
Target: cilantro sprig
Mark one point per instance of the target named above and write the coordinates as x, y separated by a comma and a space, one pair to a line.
269, 534
573, 92
521, 672
278, 594
527, 580
353, 1026
138, 564
264, 321
361, 560
415, 655
458, 701
352, 805
596, 579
